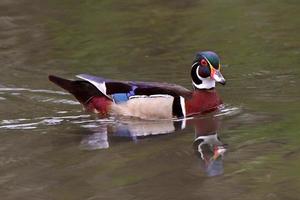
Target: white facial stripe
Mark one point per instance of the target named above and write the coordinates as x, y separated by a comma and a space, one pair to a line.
194, 64
210, 65
207, 83
198, 73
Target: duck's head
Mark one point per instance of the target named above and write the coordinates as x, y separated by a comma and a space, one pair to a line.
206, 70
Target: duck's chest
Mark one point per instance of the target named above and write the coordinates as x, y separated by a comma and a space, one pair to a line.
202, 102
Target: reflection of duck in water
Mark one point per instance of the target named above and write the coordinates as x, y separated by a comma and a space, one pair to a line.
206, 144
150, 100
129, 130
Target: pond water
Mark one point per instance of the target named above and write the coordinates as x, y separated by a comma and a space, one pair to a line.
51, 149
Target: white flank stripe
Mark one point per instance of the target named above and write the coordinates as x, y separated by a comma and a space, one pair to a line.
182, 103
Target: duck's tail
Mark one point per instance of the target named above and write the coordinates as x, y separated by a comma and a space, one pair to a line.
83, 91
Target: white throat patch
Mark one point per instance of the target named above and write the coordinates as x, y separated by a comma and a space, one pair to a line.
200, 82
207, 83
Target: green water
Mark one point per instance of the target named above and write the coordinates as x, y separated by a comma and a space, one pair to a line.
51, 149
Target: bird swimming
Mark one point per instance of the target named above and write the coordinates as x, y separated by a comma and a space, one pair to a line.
150, 100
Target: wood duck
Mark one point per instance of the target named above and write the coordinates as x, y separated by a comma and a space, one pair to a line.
150, 100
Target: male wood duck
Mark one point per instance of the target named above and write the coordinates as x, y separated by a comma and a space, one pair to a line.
150, 100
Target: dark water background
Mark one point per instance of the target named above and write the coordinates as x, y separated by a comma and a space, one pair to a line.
49, 147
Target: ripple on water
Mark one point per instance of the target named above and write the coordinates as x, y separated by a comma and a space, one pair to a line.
23, 124
53, 121
12, 121
228, 110
20, 91
5, 89
60, 101
20, 126
62, 112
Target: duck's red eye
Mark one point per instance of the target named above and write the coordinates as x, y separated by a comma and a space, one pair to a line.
203, 62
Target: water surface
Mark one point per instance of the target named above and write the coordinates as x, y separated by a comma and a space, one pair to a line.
51, 149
